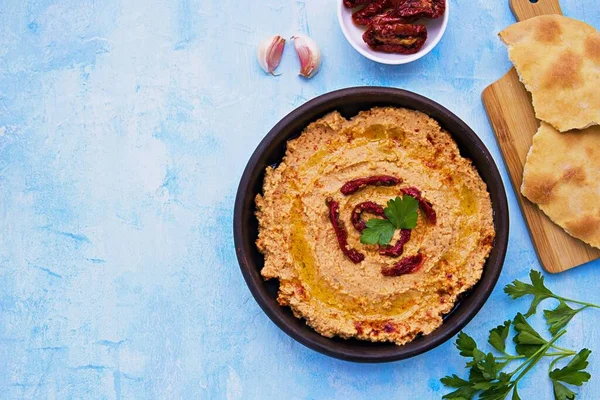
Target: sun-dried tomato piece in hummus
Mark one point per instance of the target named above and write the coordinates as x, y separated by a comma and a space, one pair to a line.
368, 206
355, 185
407, 265
397, 249
424, 204
341, 233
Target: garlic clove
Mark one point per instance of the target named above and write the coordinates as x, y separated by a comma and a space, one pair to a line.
269, 53
309, 55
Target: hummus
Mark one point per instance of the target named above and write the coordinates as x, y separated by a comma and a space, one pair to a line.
318, 281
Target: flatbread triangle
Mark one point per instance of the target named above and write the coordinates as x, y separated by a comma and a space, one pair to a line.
558, 61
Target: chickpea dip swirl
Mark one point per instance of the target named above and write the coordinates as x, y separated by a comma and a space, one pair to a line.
310, 229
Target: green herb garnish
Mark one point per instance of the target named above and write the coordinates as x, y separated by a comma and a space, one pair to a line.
486, 371
378, 231
401, 213
557, 318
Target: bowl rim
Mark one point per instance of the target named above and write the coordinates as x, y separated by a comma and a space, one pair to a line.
402, 58
305, 335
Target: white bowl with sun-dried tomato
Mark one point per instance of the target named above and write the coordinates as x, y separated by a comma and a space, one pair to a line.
390, 42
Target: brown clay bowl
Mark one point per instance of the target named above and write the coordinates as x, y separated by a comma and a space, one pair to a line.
271, 150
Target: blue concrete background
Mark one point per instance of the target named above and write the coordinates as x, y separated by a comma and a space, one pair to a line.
124, 130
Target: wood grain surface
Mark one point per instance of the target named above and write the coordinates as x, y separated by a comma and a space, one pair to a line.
509, 108
525, 9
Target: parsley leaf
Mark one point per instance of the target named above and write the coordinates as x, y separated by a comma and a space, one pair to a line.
498, 336
483, 385
466, 344
559, 317
580, 362
484, 372
496, 392
402, 212
454, 381
504, 377
378, 231
573, 373
476, 376
464, 393
561, 392
528, 341
489, 367
536, 288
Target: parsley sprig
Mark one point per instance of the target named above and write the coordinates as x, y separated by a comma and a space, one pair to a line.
401, 213
557, 318
487, 371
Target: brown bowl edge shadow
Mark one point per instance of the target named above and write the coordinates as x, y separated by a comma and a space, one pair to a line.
270, 151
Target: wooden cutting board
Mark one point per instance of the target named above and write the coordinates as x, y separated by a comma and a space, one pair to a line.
509, 108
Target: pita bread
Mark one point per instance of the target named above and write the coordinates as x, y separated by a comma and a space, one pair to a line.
562, 176
558, 61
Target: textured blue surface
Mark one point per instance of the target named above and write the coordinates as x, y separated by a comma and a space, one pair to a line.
124, 129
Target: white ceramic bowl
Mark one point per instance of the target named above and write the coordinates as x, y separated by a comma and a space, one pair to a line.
353, 33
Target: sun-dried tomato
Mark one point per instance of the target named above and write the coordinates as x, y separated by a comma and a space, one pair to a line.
412, 191
370, 11
341, 233
355, 185
407, 265
368, 206
416, 9
439, 8
388, 17
395, 37
425, 206
356, 3
397, 249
